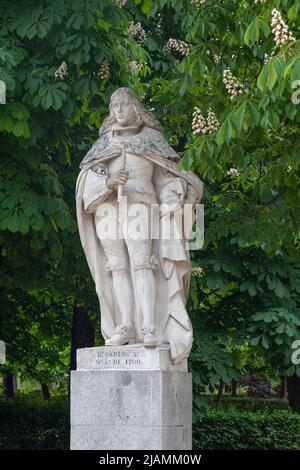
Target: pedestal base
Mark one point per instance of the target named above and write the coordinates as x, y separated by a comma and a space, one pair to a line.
130, 409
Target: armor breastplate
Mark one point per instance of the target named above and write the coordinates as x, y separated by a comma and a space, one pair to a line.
139, 186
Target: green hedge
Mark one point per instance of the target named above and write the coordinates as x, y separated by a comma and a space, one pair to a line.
245, 430
252, 404
34, 424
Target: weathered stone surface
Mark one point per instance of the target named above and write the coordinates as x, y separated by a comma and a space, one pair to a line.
131, 438
156, 398
130, 357
131, 409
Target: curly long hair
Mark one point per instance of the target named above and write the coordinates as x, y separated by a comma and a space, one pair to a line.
143, 116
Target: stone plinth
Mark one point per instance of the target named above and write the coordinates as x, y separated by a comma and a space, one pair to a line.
131, 357
130, 397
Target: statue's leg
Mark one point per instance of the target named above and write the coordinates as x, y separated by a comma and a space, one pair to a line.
118, 263
140, 259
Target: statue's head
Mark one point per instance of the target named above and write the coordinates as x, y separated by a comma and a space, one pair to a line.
126, 110
124, 107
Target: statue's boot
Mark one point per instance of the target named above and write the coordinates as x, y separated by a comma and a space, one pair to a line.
150, 339
123, 335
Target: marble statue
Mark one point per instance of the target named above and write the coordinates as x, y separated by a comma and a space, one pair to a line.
142, 282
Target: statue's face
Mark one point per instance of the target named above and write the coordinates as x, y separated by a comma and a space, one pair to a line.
123, 110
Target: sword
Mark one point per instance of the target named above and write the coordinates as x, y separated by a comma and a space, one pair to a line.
123, 156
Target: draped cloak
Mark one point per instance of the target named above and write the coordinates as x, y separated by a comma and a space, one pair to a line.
172, 275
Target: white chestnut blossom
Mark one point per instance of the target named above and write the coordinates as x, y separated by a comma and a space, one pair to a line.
201, 125
62, 71
212, 121
176, 44
198, 122
104, 70
280, 29
135, 67
196, 271
197, 3
121, 3
233, 173
136, 30
268, 57
232, 84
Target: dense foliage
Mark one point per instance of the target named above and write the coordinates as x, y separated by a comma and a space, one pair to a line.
60, 61
241, 430
34, 425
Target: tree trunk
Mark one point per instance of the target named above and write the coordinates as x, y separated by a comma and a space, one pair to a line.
283, 388
233, 388
10, 385
220, 392
83, 333
293, 385
46, 391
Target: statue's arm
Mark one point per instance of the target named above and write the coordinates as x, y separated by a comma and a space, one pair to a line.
95, 188
173, 191
170, 188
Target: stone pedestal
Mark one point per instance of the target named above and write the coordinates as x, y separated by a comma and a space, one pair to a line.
130, 398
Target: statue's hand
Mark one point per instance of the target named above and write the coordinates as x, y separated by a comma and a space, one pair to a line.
115, 181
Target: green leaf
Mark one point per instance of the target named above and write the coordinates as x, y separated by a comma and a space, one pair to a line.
41, 30
253, 113
263, 77
295, 71
272, 78
252, 33
278, 340
293, 11
18, 223
255, 341
264, 27
21, 129
19, 111
265, 342
290, 371
252, 291
291, 111
289, 331
281, 291
226, 132
31, 31
104, 25
85, 87
47, 100
146, 6
23, 224
37, 223
239, 115
280, 329
265, 120
62, 219
289, 67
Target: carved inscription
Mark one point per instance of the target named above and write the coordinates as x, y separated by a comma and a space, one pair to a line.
115, 359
